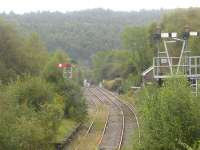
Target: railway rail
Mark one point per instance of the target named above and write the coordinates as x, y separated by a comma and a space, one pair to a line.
131, 109
92, 101
120, 122
112, 139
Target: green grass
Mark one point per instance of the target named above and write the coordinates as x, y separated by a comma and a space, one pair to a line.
90, 141
66, 127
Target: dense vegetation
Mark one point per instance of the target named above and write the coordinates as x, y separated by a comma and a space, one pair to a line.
139, 48
82, 33
127, 64
169, 115
34, 96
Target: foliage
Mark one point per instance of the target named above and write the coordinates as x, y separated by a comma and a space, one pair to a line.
34, 97
127, 64
82, 33
136, 39
169, 115
65, 128
74, 104
113, 85
18, 55
140, 48
111, 64
30, 114
51, 72
131, 80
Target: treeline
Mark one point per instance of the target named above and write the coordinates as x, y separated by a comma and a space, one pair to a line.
82, 33
168, 115
34, 96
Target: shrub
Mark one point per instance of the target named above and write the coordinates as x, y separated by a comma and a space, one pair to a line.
74, 103
169, 116
30, 113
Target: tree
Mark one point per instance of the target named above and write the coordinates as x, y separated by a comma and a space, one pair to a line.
111, 64
81, 34
30, 112
74, 103
18, 55
51, 72
34, 97
169, 116
136, 39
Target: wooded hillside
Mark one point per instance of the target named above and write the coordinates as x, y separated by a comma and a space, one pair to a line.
82, 33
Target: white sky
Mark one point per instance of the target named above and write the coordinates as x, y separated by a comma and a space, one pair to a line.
21, 6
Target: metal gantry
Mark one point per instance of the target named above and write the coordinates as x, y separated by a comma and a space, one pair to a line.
166, 65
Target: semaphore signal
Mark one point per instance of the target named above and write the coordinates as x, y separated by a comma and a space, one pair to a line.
67, 70
175, 35
165, 65
64, 65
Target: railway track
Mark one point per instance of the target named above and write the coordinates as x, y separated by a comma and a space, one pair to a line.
112, 135
131, 119
93, 102
120, 123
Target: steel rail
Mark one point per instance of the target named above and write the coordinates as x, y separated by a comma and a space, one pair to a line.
92, 122
106, 122
123, 120
131, 107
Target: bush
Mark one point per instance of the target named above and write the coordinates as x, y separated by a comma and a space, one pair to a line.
33, 91
132, 80
113, 85
30, 113
169, 116
74, 103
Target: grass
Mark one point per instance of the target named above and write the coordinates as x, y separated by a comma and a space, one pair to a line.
131, 143
66, 127
129, 97
90, 142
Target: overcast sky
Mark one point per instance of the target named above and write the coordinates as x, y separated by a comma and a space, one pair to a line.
21, 6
